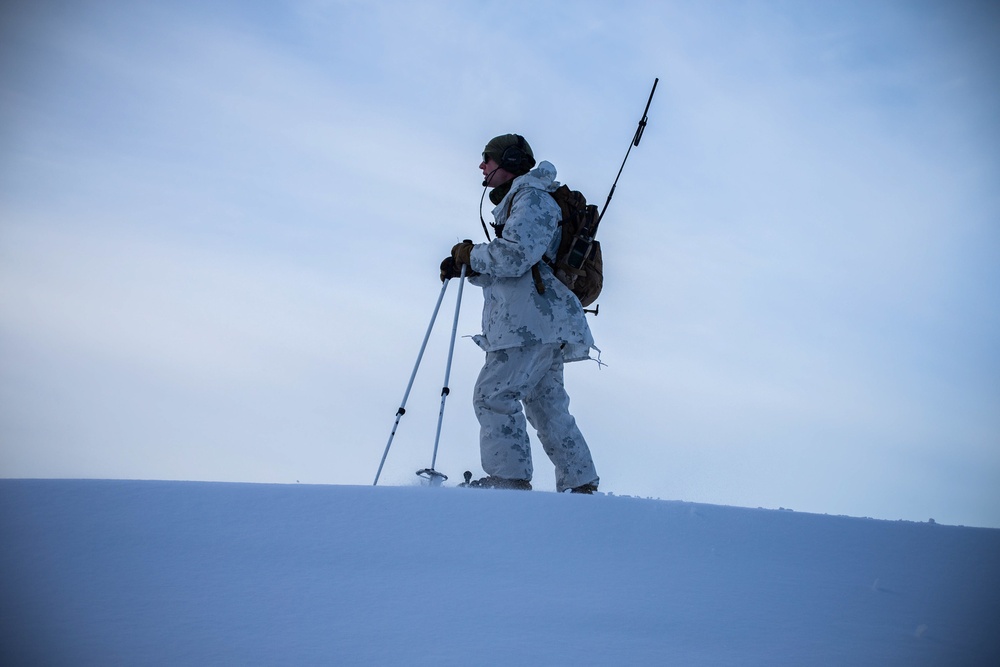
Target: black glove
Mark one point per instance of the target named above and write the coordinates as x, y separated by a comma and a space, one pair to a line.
449, 269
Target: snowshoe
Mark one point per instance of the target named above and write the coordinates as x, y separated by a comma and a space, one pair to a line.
491, 482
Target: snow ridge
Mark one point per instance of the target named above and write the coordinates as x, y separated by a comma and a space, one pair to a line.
189, 573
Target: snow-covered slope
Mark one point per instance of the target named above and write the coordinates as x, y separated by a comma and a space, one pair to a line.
173, 573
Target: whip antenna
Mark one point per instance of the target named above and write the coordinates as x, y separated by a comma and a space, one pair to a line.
635, 142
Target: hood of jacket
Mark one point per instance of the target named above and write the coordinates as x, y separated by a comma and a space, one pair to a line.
541, 177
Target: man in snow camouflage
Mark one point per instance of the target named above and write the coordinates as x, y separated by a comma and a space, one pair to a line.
532, 324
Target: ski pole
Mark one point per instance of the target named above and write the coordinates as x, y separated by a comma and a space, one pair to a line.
409, 385
431, 474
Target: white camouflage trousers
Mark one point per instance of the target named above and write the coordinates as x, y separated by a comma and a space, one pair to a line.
531, 376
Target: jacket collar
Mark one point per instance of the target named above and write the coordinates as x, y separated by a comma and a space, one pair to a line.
498, 193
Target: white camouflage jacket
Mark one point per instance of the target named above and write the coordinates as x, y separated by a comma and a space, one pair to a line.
514, 313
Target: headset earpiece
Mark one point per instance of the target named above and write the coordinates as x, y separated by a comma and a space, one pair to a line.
515, 158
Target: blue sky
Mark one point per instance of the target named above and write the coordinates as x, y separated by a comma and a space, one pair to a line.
220, 225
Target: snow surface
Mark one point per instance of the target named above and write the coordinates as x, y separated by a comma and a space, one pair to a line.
185, 573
